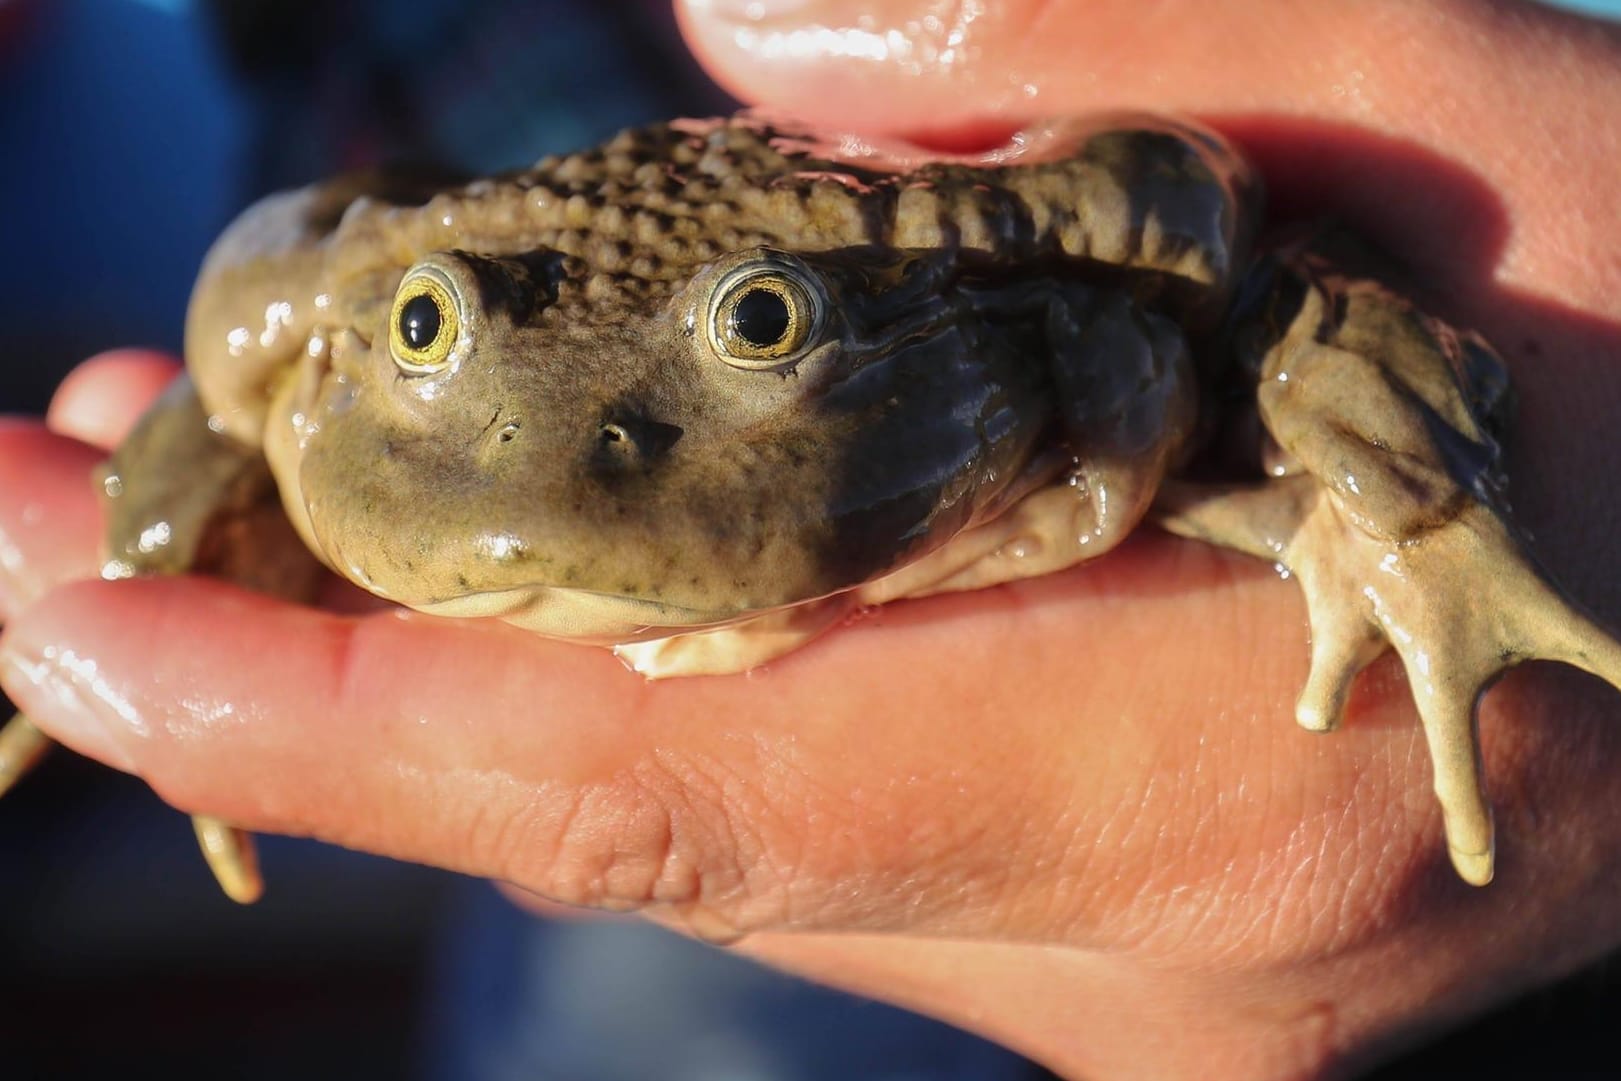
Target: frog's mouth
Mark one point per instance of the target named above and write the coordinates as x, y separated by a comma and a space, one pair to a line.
580, 614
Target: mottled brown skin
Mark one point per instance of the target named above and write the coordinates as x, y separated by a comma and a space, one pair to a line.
1006, 357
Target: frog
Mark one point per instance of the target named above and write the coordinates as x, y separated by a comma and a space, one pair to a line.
702, 392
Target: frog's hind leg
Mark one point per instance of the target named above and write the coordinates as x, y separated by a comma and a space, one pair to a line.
227, 850
1495, 608
1390, 517
217, 508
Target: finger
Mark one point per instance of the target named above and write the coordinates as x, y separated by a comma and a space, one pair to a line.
49, 520
739, 802
102, 398
895, 64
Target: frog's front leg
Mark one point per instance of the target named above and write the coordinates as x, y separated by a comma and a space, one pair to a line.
180, 497
1388, 511
1124, 389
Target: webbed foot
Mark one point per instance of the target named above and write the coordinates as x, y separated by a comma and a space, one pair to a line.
1459, 603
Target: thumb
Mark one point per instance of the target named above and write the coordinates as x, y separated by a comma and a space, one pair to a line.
896, 64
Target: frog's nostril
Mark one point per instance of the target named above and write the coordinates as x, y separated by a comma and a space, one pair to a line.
494, 442
632, 442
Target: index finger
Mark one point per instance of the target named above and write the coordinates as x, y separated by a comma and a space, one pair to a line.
483, 748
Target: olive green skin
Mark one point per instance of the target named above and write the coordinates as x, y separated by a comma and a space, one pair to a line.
591, 442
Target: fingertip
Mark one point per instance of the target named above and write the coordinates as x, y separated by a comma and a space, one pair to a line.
102, 398
49, 518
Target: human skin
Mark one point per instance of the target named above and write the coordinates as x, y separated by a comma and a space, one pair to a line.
1073, 814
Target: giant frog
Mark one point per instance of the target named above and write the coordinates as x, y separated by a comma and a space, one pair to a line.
699, 392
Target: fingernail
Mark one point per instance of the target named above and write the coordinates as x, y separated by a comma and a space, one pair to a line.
65, 694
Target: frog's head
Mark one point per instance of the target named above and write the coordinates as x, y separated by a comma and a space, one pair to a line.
590, 453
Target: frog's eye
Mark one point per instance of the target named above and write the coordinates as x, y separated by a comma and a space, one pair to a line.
763, 316
425, 324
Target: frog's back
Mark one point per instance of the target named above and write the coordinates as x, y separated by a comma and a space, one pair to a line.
1133, 192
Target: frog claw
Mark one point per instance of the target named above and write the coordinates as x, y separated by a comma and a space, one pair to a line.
22, 745
230, 854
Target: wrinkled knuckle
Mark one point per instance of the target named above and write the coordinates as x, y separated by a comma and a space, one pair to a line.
669, 831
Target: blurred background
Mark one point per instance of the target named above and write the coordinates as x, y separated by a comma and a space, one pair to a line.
130, 133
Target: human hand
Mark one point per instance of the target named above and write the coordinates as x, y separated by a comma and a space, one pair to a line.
1074, 813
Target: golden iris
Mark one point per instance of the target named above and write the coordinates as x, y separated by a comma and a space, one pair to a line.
424, 325
763, 317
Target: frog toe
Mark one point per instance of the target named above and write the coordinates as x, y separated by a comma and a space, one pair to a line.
22, 745
230, 854
1447, 709
228, 850
1342, 645
1264, 520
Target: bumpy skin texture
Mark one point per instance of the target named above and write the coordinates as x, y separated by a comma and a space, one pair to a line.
1002, 359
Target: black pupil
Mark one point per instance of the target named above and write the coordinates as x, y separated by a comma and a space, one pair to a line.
419, 321
761, 318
